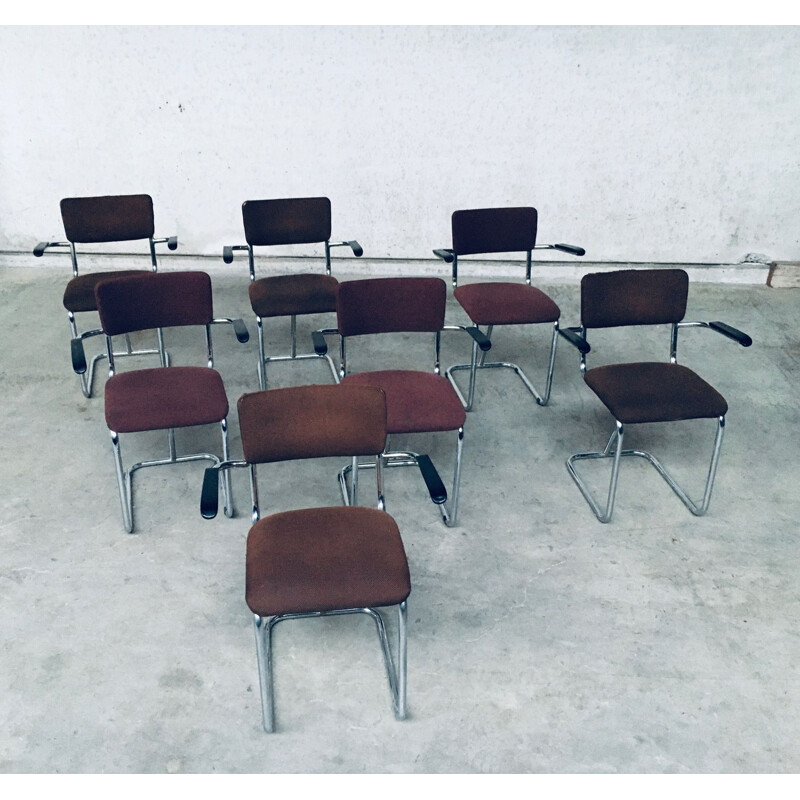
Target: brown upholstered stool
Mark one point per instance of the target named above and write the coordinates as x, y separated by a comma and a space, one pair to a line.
417, 401
483, 231
645, 392
167, 397
99, 220
282, 222
319, 561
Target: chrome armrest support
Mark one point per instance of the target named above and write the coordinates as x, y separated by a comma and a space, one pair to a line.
572, 249
239, 328
38, 251
358, 251
227, 251
445, 254
209, 496
720, 327
170, 241
577, 340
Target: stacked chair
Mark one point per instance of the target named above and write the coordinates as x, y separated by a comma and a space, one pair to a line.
350, 559
102, 220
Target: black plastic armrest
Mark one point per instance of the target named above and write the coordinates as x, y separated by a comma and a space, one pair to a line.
38, 251
432, 480
572, 249
209, 496
227, 254
576, 340
357, 249
732, 333
240, 329
484, 342
445, 255
78, 356
172, 243
320, 345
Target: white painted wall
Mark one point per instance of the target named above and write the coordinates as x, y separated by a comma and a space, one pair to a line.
667, 144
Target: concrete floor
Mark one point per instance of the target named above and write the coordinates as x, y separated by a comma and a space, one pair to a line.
539, 641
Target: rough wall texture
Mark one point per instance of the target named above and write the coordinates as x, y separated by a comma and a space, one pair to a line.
675, 144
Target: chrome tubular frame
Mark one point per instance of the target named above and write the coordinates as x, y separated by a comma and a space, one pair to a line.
475, 365
350, 495
616, 452
403, 459
264, 359
125, 478
87, 378
396, 666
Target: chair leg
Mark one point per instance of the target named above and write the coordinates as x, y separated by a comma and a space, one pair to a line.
396, 665
604, 515
263, 632
125, 478
227, 490
124, 485
449, 515
473, 367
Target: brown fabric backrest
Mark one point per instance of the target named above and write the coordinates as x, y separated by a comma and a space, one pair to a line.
154, 300
112, 218
633, 297
296, 220
494, 230
391, 305
312, 422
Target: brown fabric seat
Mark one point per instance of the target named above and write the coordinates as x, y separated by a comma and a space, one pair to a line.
79, 294
164, 397
654, 392
325, 559
285, 295
416, 402
506, 304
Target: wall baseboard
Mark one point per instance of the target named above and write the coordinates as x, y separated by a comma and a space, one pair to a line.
554, 272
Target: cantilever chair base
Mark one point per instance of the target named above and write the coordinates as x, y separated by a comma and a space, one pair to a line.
617, 453
87, 378
396, 666
125, 477
541, 399
264, 359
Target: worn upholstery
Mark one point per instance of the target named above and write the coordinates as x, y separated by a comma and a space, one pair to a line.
312, 422
295, 220
391, 305
325, 559
416, 401
109, 218
654, 392
164, 397
154, 300
79, 294
284, 295
494, 230
506, 304
633, 297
